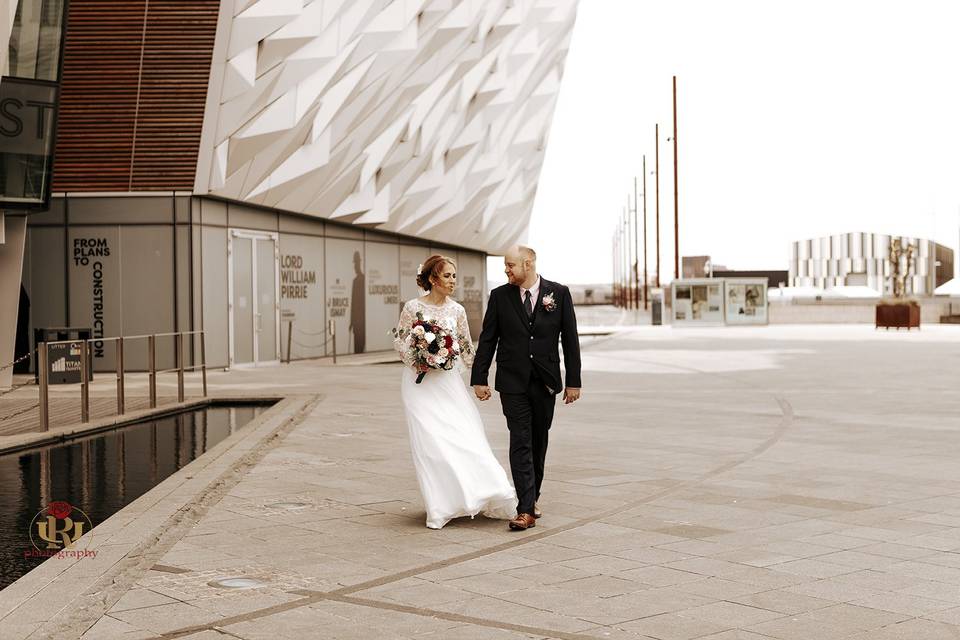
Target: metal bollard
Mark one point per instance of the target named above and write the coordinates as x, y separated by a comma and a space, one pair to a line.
152, 357
84, 382
332, 330
179, 367
289, 338
42, 369
203, 361
120, 395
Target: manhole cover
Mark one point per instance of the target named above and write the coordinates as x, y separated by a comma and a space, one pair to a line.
289, 505
237, 583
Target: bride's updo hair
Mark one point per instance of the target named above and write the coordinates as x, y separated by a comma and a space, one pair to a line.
432, 266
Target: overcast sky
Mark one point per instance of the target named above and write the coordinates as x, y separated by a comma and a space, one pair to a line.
796, 120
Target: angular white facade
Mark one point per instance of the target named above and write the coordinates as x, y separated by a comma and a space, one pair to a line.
428, 118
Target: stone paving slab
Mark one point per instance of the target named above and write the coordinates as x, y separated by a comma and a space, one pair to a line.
747, 483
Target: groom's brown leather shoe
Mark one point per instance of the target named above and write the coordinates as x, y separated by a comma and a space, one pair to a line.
523, 521
536, 511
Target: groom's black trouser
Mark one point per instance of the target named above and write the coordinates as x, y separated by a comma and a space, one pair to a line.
528, 415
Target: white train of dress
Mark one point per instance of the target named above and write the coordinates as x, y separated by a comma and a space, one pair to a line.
456, 469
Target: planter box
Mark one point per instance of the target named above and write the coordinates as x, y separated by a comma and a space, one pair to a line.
898, 315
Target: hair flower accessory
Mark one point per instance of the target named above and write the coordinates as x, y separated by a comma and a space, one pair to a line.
549, 304
419, 268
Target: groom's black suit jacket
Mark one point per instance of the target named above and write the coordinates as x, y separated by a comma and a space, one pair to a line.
524, 345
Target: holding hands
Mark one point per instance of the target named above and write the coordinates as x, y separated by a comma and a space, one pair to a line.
570, 394
482, 391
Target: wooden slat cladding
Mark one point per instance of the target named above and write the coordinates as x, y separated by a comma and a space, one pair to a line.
106, 140
173, 92
98, 95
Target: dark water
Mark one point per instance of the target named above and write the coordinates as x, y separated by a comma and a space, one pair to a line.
103, 473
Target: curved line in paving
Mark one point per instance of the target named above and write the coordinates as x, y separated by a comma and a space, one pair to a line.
343, 594
785, 422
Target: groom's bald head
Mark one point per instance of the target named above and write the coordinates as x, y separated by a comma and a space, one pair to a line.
520, 265
520, 253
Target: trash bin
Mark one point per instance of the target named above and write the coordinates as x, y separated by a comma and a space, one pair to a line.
63, 360
656, 312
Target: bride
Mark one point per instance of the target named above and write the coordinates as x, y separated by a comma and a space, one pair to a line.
457, 472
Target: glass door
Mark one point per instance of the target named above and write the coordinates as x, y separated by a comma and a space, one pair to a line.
253, 300
267, 322
242, 315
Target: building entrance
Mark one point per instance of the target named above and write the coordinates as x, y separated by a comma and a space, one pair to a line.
254, 286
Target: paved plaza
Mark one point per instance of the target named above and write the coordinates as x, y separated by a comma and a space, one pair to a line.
779, 482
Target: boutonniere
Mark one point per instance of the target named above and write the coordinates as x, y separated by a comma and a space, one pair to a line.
549, 304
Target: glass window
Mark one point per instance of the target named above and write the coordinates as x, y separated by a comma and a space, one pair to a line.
28, 102
34, 50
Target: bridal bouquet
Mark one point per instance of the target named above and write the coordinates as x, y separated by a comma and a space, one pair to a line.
430, 345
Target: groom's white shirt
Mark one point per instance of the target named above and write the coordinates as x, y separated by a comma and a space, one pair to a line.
534, 292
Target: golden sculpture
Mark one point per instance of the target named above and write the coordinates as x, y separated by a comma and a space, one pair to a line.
902, 265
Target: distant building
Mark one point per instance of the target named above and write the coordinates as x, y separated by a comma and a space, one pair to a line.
695, 267
774, 278
584, 294
704, 267
861, 259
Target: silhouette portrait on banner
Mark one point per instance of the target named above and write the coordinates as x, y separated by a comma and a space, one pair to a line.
358, 306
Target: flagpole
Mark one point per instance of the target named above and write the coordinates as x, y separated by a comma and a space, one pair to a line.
646, 291
676, 206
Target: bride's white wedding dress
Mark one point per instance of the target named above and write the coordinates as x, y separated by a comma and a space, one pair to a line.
457, 471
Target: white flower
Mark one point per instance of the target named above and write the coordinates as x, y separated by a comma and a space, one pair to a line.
455, 347
429, 337
443, 353
419, 268
548, 302
418, 330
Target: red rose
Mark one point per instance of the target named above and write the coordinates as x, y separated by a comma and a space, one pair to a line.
449, 341
59, 509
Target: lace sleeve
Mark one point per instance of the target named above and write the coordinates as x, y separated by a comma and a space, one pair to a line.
400, 344
466, 341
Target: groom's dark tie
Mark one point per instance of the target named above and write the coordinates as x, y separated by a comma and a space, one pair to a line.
527, 304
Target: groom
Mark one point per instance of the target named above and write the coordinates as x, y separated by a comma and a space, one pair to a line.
525, 320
